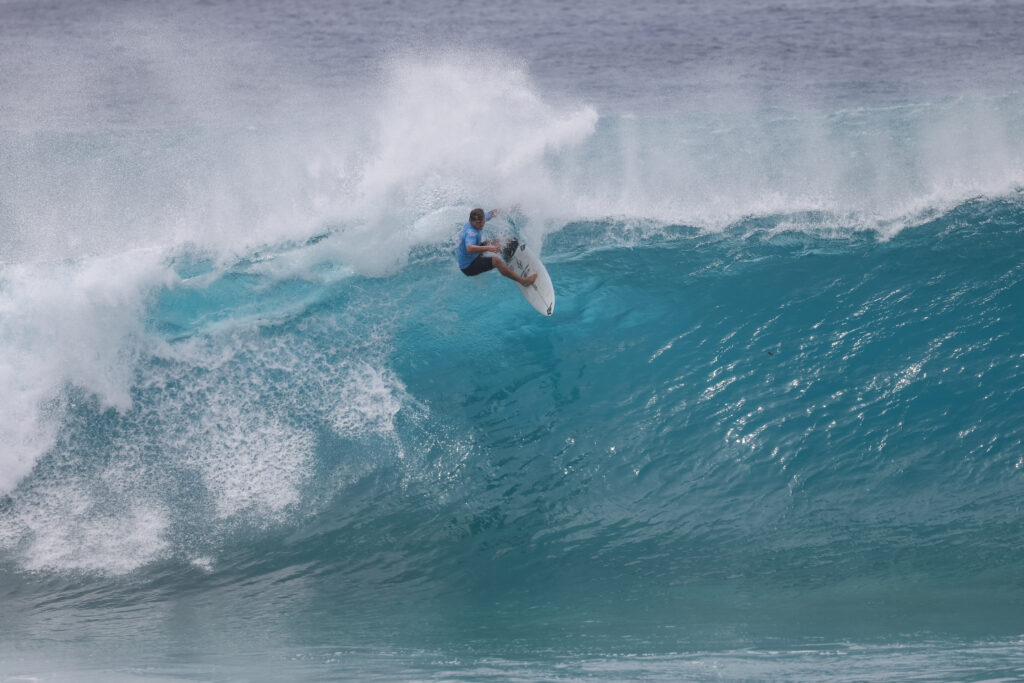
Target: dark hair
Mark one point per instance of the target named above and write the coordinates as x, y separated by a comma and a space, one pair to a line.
476, 213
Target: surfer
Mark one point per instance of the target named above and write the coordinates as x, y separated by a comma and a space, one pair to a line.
472, 249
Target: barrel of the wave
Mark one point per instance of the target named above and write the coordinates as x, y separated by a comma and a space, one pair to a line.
541, 293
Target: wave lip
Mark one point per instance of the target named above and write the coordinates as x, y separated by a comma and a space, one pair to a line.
68, 323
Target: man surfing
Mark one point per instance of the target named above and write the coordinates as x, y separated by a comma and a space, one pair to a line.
472, 248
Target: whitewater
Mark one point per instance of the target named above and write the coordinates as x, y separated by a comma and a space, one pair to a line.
256, 425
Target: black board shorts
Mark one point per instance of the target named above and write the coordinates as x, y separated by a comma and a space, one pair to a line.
481, 264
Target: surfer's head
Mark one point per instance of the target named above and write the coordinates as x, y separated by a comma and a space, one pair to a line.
476, 218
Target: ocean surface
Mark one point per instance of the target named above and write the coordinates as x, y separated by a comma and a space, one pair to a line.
256, 426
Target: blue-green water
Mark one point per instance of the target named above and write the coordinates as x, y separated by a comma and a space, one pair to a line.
256, 425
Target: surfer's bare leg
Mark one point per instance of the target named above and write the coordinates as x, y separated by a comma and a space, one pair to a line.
510, 274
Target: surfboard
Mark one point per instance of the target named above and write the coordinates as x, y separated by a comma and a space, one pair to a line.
541, 294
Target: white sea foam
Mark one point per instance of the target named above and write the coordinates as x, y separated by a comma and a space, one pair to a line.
220, 432
67, 323
66, 526
251, 463
368, 401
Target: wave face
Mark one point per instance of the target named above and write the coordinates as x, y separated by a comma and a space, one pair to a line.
254, 422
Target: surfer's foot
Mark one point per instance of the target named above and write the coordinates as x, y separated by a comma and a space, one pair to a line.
527, 281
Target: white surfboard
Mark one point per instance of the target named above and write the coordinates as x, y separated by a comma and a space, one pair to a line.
541, 294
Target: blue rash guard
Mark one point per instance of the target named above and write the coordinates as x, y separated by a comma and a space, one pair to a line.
470, 235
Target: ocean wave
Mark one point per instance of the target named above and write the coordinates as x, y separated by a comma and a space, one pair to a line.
172, 407
245, 322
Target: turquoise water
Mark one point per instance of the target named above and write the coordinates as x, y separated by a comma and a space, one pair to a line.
256, 425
